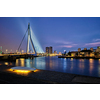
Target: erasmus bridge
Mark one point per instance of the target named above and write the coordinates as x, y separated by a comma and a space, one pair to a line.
31, 41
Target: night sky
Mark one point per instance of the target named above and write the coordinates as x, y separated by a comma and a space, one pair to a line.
62, 33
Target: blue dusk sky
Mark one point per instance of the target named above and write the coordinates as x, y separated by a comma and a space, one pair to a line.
62, 33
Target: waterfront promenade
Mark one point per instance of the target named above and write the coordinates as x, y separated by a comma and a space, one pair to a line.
43, 77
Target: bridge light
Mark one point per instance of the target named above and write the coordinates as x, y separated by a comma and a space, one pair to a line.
22, 51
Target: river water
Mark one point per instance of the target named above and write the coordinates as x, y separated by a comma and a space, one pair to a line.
88, 67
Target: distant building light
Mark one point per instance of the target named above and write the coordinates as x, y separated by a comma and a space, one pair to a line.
22, 51
64, 50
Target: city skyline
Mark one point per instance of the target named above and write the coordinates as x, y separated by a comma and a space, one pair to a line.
62, 33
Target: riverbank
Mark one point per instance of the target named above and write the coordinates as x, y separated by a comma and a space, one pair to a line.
43, 77
76, 57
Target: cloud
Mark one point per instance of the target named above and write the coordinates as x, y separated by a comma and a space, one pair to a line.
92, 44
62, 42
96, 40
67, 46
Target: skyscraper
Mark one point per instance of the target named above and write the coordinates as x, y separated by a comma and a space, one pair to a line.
49, 50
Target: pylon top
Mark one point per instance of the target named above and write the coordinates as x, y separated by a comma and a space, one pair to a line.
28, 25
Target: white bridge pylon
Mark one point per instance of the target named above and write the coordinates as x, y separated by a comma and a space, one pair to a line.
30, 39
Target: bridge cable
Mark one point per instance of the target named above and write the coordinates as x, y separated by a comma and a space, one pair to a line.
22, 40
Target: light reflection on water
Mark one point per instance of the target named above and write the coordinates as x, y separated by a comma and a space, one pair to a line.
81, 65
65, 65
91, 64
28, 62
20, 62
89, 67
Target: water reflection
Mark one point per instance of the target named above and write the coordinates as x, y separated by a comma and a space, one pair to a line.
99, 70
65, 65
28, 61
20, 62
72, 65
6, 63
17, 60
50, 63
99, 61
99, 67
81, 65
91, 64
71, 59
39, 63
88, 67
81, 60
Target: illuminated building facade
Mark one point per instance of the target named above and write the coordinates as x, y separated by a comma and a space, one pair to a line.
79, 49
55, 52
0, 49
60, 53
49, 50
91, 49
98, 49
85, 48
73, 53
85, 53
92, 53
82, 53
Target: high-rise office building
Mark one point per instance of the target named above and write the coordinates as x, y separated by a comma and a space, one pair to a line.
49, 50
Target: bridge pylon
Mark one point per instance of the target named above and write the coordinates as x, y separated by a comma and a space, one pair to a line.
30, 39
